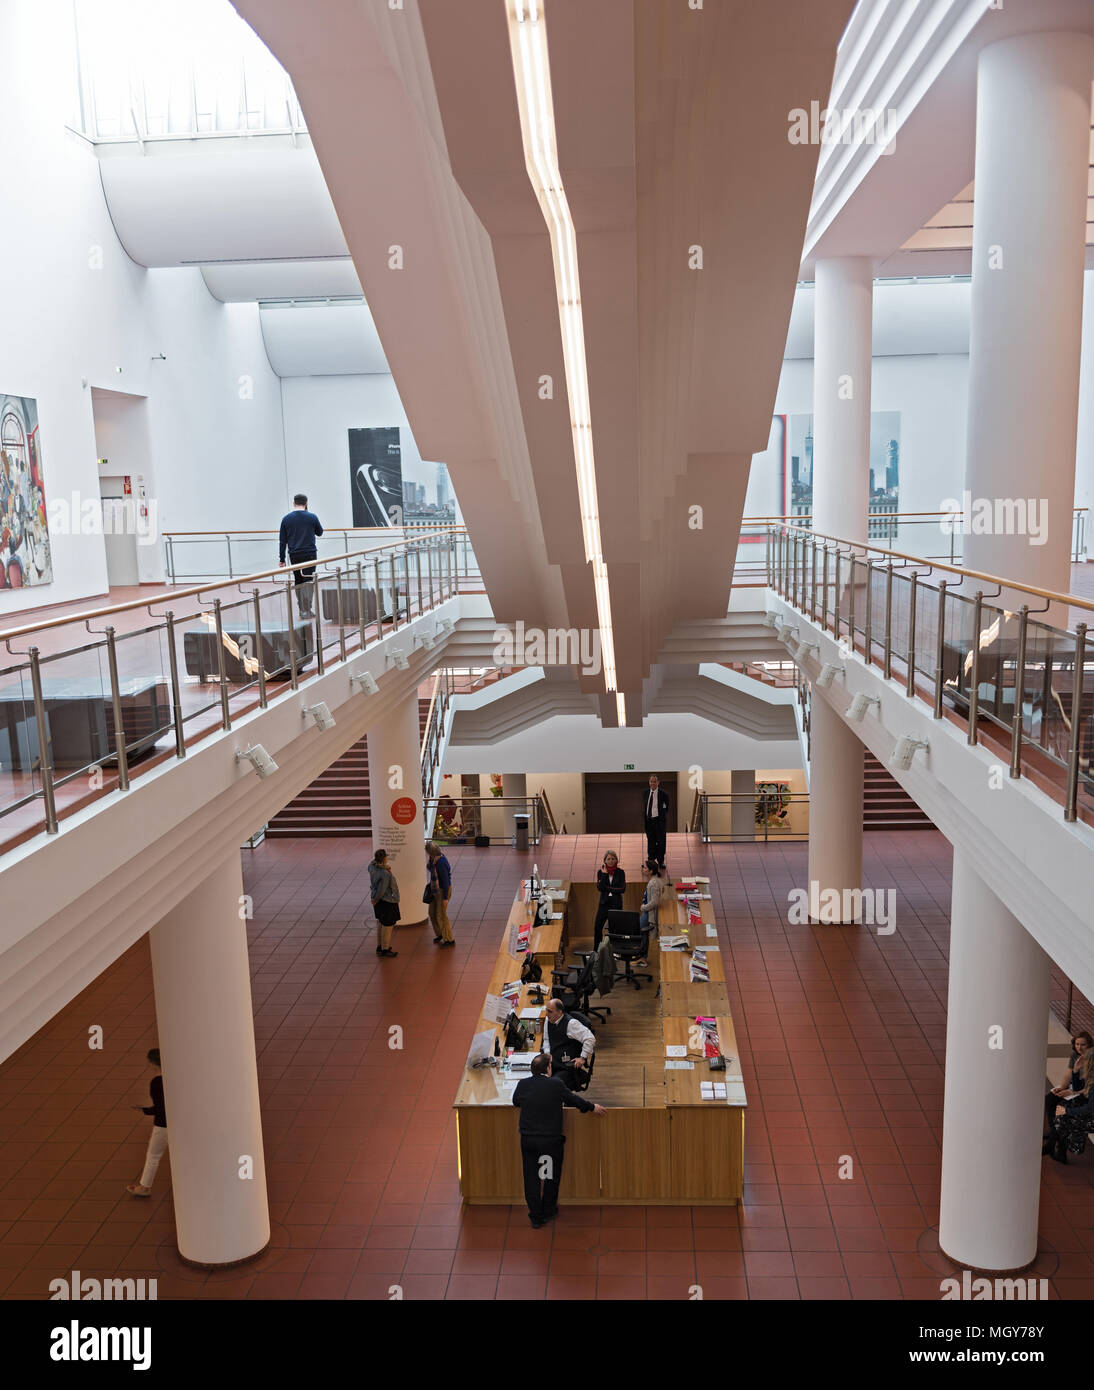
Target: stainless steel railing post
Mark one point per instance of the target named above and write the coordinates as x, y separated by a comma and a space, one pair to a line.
45, 746
294, 675
176, 688
394, 598
341, 616
887, 666
1019, 690
913, 590
940, 649
262, 700
225, 718
116, 704
974, 673
1072, 802
868, 624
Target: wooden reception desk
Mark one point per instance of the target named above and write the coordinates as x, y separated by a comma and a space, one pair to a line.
660, 1143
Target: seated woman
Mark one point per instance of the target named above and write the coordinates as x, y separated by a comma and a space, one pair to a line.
610, 882
1080, 1043
1072, 1123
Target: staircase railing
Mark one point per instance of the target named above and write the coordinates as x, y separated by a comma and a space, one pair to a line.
1024, 684
549, 825
433, 735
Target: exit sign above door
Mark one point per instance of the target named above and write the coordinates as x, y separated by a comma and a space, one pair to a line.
628, 767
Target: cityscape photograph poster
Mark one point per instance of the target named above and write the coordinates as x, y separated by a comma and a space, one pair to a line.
25, 559
376, 476
884, 463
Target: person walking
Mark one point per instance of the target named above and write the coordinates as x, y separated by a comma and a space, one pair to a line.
656, 820
540, 1098
299, 530
157, 1143
384, 892
437, 893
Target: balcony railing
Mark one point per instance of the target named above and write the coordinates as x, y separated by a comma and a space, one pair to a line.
970, 645
751, 817
460, 821
84, 708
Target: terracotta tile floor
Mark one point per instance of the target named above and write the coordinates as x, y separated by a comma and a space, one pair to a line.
842, 1035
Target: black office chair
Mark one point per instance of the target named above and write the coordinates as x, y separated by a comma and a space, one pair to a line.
629, 943
574, 986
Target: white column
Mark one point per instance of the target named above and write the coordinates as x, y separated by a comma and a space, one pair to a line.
1032, 156
395, 797
205, 1024
1084, 442
835, 805
842, 359
842, 346
513, 784
742, 814
995, 1081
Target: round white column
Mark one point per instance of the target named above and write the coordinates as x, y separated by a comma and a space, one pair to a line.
395, 796
205, 1023
1029, 234
842, 346
1084, 442
835, 807
996, 1030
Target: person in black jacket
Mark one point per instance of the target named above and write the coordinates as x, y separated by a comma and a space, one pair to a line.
540, 1098
157, 1144
656, 819
610, 882
1073, 1122
299, 529
1072, 1082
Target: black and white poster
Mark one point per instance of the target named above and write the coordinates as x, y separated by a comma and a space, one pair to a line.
376, 476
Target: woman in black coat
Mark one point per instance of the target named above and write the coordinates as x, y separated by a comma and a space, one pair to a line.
610, 881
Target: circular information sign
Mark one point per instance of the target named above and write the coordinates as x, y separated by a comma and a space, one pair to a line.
403, 810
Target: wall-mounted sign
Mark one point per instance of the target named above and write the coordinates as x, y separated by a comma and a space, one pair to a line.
628, 767
127, 485
403, 810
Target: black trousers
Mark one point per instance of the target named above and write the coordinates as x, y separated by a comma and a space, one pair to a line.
302, 577
656, 838
611, 903
541, 1157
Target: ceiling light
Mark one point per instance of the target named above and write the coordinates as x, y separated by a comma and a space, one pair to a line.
532, 74
365, 683
828, 673
320, 715
259, 759
621, 710
859, 705
905, 751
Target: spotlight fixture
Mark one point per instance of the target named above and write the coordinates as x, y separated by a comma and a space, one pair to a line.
786, 631
397, 657
859, 705
259, 759
448, 627
365, 683
770, 620
427, 641
320, 714
806, 648
905, 751
828, 673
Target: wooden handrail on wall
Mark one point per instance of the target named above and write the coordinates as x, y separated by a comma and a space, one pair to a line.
548, 813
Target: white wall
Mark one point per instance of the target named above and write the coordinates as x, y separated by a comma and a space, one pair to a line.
319, 412
77, 308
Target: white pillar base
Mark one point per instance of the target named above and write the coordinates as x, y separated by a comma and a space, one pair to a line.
395, 796
835, 811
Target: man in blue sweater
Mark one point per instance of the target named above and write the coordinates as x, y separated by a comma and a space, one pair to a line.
299, 529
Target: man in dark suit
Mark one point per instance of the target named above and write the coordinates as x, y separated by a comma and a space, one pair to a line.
656, 820
540, 1098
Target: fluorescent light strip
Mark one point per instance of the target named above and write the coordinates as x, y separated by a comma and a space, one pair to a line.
531, 69
621, 710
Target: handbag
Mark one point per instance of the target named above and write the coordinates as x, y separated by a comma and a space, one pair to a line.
531, 972
427, 895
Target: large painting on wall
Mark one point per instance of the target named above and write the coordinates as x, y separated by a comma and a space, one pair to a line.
25, 559
376, 476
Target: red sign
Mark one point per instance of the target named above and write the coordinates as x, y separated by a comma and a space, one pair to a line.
403, 810
127, 486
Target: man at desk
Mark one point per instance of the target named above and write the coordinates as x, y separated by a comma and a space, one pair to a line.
540, 1098
568, 1041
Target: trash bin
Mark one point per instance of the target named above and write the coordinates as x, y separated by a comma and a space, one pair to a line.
520, 823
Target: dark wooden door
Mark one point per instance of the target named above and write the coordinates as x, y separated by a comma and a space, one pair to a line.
613, 804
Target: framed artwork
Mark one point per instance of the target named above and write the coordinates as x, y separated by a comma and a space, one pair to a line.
25, 557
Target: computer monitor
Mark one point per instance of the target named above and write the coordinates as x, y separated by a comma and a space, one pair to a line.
515, 1036
624, 924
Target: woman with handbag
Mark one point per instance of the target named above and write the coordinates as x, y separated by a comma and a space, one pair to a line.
385, 901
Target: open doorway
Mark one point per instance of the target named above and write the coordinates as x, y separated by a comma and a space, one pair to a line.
121, 443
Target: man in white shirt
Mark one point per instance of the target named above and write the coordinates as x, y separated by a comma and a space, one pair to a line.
570, 1043
656, 820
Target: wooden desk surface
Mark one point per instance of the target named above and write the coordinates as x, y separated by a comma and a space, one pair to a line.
676, 965
681, 1086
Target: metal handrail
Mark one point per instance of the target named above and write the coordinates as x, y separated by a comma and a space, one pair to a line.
758, 801
1003, 643
549, 815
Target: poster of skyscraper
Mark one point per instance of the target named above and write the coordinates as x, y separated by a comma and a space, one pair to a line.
25, 557
884, 463
376, 476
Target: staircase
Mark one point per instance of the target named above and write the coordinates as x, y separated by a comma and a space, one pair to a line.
885, 803
337, 802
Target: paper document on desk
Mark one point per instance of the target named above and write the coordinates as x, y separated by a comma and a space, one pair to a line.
496, 1008
532, 1013
675, 1050
557, 916
673, 943
679, 1066
482, 1046
712, 930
